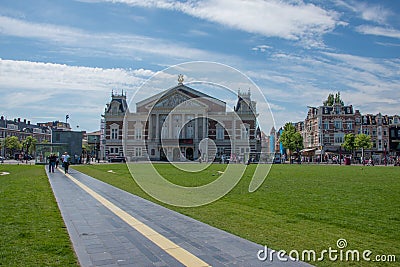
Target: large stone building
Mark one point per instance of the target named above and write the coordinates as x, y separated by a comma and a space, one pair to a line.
180, 124
22, 129
111, 127
394, 134
325, 126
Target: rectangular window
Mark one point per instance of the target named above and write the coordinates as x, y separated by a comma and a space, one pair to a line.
138, 151
326, 125
12, 126
114, 133
220, 132
338, 124
138, 133
189, 130
349, 125
111, 150
339, 138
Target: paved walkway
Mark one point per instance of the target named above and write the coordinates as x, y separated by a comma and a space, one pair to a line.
110, 227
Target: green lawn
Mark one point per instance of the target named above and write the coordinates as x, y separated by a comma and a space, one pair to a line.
32, 232
297, 207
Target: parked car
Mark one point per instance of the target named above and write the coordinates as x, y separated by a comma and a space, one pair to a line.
117, 159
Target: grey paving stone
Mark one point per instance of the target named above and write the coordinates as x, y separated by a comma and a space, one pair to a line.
100, 238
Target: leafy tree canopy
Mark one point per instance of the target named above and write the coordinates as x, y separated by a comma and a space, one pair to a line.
363, 141
29, 144
333, 99
290, 138
12, 143
349, 142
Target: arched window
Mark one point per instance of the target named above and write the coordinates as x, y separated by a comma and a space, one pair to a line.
220, 132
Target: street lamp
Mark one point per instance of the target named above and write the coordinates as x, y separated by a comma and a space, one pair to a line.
95, 148
385, 160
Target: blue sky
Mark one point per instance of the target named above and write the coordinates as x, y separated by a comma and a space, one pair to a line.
62, 57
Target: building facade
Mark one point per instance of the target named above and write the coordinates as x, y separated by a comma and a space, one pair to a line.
394, 135
325, 126
181, 124
111, 127
22, 129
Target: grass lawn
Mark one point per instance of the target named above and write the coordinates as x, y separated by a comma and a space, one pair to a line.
32, 232
298, 207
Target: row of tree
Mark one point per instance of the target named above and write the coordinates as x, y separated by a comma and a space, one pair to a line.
293, 141
13, 145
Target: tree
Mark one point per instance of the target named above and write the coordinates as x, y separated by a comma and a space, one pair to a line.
362, 141
29, 144
349, 142
291, 139
12, 144
330, 100
333, 99
2, 143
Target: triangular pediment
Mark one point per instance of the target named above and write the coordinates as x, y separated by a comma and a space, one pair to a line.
171, 101
182, 96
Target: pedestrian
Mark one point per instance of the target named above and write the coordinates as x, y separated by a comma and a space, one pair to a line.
66, 159
52, 162
57, 162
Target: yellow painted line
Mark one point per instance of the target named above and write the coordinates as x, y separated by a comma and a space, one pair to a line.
180, 254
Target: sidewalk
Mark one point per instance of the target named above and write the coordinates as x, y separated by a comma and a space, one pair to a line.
110, 227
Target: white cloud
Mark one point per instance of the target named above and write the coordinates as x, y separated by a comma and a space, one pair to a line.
375, 13
261, 48
293, 20
369, 12
37, 89
39, 75
73, 40
295, 81
379, 31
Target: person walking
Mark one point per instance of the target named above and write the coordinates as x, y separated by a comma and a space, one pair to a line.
57, 162
66, 159
52, 162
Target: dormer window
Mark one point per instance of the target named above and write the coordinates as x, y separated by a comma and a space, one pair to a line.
114, 110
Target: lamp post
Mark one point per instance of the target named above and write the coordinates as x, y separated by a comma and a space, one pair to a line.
95, 149
385, 160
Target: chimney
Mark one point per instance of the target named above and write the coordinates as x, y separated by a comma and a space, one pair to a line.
25, 121
19, 119
2, 118
29, 122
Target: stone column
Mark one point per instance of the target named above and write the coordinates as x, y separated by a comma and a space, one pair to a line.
196, 128
158, 127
